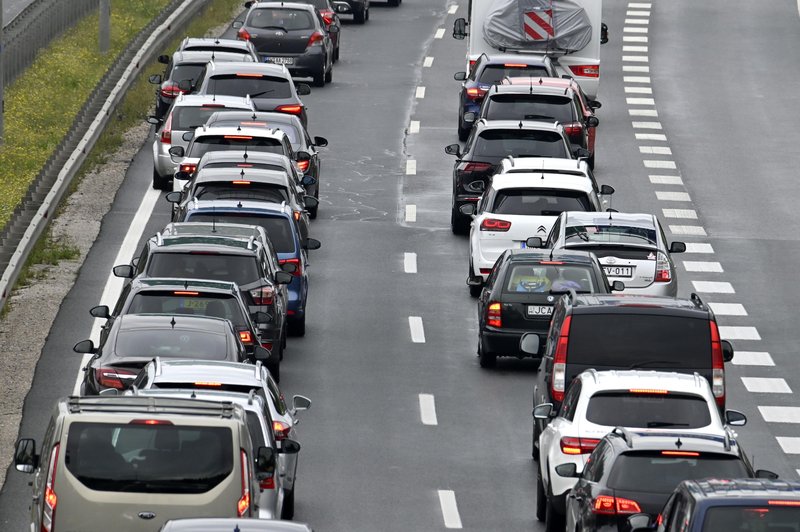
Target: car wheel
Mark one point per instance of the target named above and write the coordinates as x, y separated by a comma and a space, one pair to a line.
487, 360
366, 15
336, 53
554, 521
458, 225
297, 327
394, 3
288, 505
463, 133
319, 77
359, 17
329, 74
474, 291
312, 213
274, 367
159, 183
535, 442
541, 497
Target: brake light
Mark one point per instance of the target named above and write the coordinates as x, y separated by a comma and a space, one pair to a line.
680, 453
717, 365
267, 345
494, 315
111, 377
663, 269
327, 16
472, 63
256, 124
290, 109
559, 380
466, 168
171, 90
316, 39
586, 71
575, 446
492, 224
244, 502
243, 35
213, 106
238, 137
298, 271
185, 293
151, 422
573, 128
281, 430
248, 75
50, 497
486, 271
303, 165
246, 337
783, 503
189, 168
166, 132
263, 296
648, 391
476, 93
240, 182
209, 384
610, 505
556, 262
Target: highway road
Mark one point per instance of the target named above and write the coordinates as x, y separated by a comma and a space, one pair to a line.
406, 431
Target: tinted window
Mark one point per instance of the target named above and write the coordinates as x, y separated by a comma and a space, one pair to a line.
144, 458
256, 87
753, 518
494, 74
187, 72
179, 343
185, 118
538, 202
530, 107
519, 143
216, 48
543, 278
639, 340
648, 410
249, 191
241, 269
279, 229
255, 429
277, 18
202, 145
612, 234
202, 304
657, 473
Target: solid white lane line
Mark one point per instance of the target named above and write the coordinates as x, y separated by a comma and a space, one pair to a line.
780, 414
635, 68
639, 21
411, 213
702, 266
447, 500
411, 167
728, 309
413, 127
420, 92
439, 33
410, 262
666, 179
643, 112
664, 165
427, 409
766, 385
752, 358
634, 38
664, 195
636, 79
635, 59
699, 247
453, 9
738, 333
651, 136
691, 230
684, 214
634, 29
646, 125
789, 445
714, 287
417, 330
640, 101
428, 62
655, 150
634, 48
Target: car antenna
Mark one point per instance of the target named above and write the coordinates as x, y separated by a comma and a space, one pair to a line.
172, 322
194, 395
239, 127
239, 205
254, 116
520, 124
679, 443
213, 56
213, 218
185, 285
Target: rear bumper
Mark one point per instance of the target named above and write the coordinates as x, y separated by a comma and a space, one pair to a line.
506, 343
669, 289
306, 64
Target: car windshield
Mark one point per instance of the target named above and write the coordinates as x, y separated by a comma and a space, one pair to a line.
774, 516
244, 190
256, 86
549, 278
648, 410
539, 202
142, 457
611, 234
185, 118
202, 145
188, 302
520, 143
530, 107
177, 342
188, 71
280, 18
278, 228
494, 74
241, 269
655, 472
289, 129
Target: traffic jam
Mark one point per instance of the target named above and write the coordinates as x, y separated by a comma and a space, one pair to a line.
180, 423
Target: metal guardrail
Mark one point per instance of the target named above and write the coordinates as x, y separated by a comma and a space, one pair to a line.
45, 193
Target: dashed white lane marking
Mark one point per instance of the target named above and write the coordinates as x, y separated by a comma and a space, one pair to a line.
663, 165
636, 79
639, 5
702, 266
428, 62
651, 136
752, 358
728, 309
664, 195
417, 330
635, 68
634, 29
420, 92
639, 21
699, 247
439, 33
738, 333
637, 14
788, 444
447, 500
411, 167
413, 127
766, 385
643, 112
453, 9
646, 125
714, 287
655, 150
410, 262
635, 59
683, 214
780, 414
666, 179
690, 230
411, 213
640, 101
634, 38
427, 409
634, 48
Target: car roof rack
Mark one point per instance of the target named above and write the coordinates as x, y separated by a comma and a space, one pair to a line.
626, 435
149, 405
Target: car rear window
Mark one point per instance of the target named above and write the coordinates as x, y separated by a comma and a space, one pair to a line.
775, 516
611, 234
539, 202
278, 18
494, 74
149, 458
244, 190
215, 48
648, 410
256, 86
278, 228
655, 472
175, 343
554, 279
207, 143
530, 107
185, 118
188, 71
188, 302
520, 143
241, 269
639, 341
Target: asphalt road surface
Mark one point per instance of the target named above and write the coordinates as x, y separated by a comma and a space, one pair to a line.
696, 126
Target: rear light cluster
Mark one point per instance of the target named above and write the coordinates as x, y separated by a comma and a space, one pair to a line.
246, 337
610, 505
243, 505
573, 129
243, 35
303, 165
492, 224
170, 90
573, 446
189, 168
263, 296
166, 131
717, 365
298, 271
281, 430
316, 39
327, 16
663, 269
494, 315
476, 94
50, 497
468, 168
290, 109
586, 71
559, 380
111, 377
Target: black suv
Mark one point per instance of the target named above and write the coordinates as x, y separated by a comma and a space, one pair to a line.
632, 472
630, 332
716, 504
519, 294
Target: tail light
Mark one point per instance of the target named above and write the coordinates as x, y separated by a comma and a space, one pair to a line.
494, 315
610, 505
267, 483
297, 215
663, 269
559, 380
246, 337
492, 224
243, 35
50, 497
267, 345
166, 131
476, 94
244, 502
303, 165
316, 39
574, 128
263, 296
290, 109
468, 168
586, 71
298, 266
485, 271
575, 446
472, 63
111, 377
171, 90
281, 429
327, 16
189, 168
717, 365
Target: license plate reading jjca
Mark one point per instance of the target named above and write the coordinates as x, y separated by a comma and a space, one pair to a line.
618, 271
539, 310
280, 60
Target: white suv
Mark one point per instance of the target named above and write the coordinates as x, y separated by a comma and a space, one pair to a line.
598, 401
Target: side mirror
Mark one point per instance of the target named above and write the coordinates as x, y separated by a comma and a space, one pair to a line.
185, 85
177, 151
529, 343
467, 209
153, 120
470, 117
84, 346
727, 351
237, 24
606, 190
248, 4
603, 33
300, 402
677, 247
534, 242
283, 277
307, 181
261, 353
163, 59
594, 104
543, 411
617, 286
289, 447
312, 243
182, 176
763, 473
261, 317
303, 89
460, 76
639, 522
155, 79
123, 270
266, 460
187, 136
289, 267
453, 149
100, 311
174, 196
581, 153
310, 201
25, 458
333, 29
320, 141
735, 418
592, 121
567, 470
459, 29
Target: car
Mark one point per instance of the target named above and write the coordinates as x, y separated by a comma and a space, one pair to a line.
226, 525
518, 297
543, 98
298, 136
183, 72
270, 86
358, 8
630, 332
330, 18
631, 246
106, 460
635, 471
491, 70
193, 297
245, 261
187, 113
489, 143
726, 504
598, 401
239, 378
547, 165
279, 221
292, 34
516, 207
216, 44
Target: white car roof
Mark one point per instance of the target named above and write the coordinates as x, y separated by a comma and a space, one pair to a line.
197, 100
258, 132
594, 381
515, 124
643, 220
517, 164
539, 180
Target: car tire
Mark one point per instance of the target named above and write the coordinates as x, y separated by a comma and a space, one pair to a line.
475, 291
359, 17
312, 213
393, 3
329, 74
366, 14
554, 521
336, 53
541, 497
297, 327
159, 183
590, 161
458, 225
274, 367
487, 360
318, 79
287, 512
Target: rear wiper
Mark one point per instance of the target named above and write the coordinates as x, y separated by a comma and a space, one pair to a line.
652, 363
262, 93
276, 28
538, 117
654, 424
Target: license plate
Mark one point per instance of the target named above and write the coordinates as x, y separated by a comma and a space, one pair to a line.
539, 310
618, 271
279, 60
